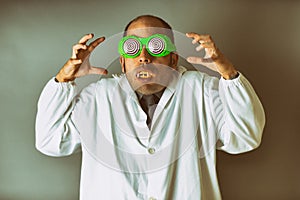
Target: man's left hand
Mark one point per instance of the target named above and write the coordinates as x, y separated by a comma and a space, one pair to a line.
213, 59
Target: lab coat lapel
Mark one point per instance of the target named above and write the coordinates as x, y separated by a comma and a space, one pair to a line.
166, 97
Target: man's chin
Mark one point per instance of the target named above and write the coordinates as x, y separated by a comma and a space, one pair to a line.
148, 89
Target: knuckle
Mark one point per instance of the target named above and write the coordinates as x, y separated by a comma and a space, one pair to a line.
75, 46
70, 62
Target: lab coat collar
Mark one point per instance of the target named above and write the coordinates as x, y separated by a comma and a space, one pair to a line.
166, 96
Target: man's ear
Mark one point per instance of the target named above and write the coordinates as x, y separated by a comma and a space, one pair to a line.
174, 60
122, 62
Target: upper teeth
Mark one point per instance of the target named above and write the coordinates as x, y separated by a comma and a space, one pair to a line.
143, 74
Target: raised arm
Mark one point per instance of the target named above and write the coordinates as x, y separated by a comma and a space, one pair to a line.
238, 115
236, 109
56, 134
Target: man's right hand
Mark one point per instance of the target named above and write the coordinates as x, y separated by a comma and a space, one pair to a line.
78, 65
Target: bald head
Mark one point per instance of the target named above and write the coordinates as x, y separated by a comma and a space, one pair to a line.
155, 23
149, 20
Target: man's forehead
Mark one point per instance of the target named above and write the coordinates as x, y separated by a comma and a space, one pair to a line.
147, 31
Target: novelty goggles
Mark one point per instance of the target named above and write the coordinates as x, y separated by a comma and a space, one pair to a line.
157, 45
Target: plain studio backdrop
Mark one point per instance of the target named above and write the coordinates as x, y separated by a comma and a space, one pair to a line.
261, 38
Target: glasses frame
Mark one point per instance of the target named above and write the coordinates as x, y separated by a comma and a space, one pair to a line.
169, 46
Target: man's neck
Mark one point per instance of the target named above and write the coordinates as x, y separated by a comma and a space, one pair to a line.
158, 94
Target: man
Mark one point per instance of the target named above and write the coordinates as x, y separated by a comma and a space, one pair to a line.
165, 149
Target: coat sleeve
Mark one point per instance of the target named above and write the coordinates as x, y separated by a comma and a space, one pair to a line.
238, 114
56, 134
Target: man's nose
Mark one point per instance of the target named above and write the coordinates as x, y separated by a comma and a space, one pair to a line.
145, 57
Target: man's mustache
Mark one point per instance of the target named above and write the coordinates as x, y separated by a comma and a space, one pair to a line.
153, 68
162, 75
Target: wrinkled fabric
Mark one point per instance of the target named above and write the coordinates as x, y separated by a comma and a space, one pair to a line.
175, 159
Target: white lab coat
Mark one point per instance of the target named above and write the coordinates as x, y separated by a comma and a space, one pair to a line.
122, 159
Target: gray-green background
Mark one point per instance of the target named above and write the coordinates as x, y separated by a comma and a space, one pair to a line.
260, 37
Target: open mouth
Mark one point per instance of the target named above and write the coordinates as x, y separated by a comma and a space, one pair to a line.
144, 75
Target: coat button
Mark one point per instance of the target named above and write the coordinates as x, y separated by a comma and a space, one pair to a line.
151, 150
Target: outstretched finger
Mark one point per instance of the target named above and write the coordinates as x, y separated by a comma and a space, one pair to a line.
199, 48
198, 38
86, 38
97, 70
194, 60
95, 43
197, 60
207, 62
76, 48
209, 47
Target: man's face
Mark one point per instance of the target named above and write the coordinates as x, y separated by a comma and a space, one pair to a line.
148, 74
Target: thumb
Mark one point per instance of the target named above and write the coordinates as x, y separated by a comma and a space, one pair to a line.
98, 70
194, 60
207, 62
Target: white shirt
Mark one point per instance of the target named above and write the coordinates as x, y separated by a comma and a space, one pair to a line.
121, 159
